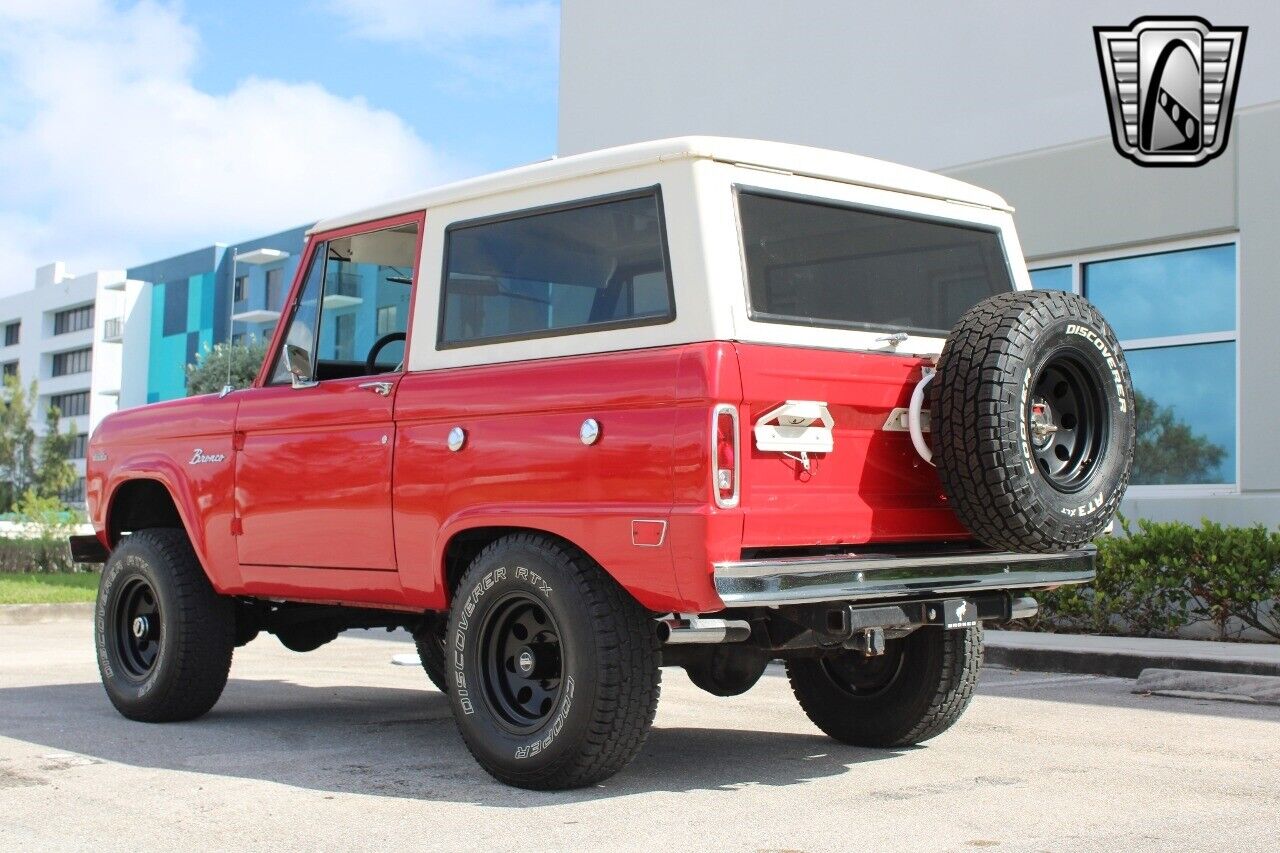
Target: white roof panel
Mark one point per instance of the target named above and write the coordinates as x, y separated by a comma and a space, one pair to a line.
781, 156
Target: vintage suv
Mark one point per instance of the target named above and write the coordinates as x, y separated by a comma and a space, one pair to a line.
674, 403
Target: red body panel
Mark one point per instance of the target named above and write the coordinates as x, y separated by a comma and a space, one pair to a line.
873, 487
523, 464
313, 477
158, 442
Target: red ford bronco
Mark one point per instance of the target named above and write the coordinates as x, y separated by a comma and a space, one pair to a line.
702, 402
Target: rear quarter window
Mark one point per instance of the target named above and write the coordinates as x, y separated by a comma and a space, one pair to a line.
582, 267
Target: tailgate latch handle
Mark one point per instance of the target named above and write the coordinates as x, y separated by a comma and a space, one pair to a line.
796, 429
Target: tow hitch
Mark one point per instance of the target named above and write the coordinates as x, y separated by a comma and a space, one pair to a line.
866, 628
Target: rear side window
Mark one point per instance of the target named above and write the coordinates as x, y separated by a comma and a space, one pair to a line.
816, 263
598, 264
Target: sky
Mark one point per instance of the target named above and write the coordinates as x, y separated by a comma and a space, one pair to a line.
132, 131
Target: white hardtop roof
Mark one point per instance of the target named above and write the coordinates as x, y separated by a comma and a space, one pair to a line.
779, 156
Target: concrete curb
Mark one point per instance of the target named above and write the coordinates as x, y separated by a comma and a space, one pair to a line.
34, 614
1252, 689
1126, 657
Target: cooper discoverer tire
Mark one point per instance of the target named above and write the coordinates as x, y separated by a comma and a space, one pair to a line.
553, 670
915, 691
164, 637
1032, 420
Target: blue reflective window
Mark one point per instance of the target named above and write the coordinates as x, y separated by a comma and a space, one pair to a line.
1170, 293
1186, 405
1051, 278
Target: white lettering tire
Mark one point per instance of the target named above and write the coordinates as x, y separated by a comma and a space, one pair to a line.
1033, 422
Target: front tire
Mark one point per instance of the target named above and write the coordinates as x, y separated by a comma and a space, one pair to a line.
915, 691
164, 637
553, 669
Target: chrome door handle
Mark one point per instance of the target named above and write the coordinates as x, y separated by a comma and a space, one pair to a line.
382, 389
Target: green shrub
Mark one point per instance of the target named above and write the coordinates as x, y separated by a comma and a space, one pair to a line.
37, 555
1166, 575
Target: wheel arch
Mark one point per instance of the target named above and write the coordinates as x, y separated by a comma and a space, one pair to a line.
463, 545
140, 503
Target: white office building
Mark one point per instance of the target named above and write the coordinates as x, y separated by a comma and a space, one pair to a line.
65, 334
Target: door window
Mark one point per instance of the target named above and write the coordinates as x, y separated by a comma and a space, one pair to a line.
356, 297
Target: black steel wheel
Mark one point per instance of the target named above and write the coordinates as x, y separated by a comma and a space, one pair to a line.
164, 636
863, 676
520, 643
136, 627
915, 691
553, 669
1067, 421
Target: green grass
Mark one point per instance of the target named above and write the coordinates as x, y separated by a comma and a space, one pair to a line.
48, 588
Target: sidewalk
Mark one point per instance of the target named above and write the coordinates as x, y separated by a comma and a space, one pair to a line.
34, 614
1126, 657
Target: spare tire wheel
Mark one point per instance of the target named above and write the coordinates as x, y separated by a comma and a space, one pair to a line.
1032, 420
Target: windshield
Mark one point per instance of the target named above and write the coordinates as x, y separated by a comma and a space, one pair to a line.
816, 263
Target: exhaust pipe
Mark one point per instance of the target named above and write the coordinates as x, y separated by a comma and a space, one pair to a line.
678, 630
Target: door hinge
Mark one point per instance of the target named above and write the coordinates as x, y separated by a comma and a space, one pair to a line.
237, 440
237, 527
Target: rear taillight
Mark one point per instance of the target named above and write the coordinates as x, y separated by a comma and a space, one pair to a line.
724, 455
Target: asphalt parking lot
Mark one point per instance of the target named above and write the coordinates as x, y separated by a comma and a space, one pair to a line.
339, 750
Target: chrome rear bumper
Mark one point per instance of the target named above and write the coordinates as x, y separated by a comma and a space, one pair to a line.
856, 577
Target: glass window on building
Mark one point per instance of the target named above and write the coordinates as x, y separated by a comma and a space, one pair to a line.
240, 289
73, 361
78, 446
387, 320
12, 333
1174, 313
75, 494
10, 368
71, 405
73, 320
1052, 278
275, 289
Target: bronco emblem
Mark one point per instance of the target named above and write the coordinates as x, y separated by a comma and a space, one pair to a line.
199, 457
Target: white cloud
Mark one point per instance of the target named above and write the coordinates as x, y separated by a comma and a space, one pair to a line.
112, 151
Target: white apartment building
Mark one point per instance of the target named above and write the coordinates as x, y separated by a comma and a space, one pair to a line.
66, 334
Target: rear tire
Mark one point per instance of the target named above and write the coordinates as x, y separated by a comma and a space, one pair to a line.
553, 669
915, 691
164, 637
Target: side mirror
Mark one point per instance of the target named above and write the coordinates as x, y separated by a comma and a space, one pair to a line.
298, 361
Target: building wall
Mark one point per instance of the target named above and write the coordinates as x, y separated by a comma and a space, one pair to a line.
928, 85
1083, 200
55, 290
189, 309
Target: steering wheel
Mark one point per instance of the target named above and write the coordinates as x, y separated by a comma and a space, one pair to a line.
371, 360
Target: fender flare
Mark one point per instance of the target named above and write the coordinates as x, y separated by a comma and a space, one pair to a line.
157, 468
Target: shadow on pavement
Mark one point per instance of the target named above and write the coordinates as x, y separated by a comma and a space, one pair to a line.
390, 742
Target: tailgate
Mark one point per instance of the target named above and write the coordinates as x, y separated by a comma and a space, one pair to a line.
871, 487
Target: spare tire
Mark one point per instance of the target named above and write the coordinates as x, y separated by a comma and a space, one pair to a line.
1032, 421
